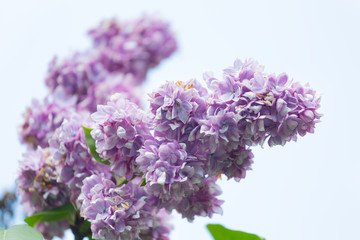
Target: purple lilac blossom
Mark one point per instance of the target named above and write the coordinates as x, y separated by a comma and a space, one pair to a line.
175, 106
135, 46
39, 189
160, 228
75, 75
113, 83
169, 171
84, 78
41, 120
115, 212
220, 140
202, 201
268, 106
120, 130
74, 161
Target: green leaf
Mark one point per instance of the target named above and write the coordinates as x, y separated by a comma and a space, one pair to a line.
120, 181
219, 232
143, 183
22, 232
53, 215
91, 144
84, 227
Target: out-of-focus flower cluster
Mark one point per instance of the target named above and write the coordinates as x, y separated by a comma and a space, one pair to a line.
40, 190
151, 162
118, 61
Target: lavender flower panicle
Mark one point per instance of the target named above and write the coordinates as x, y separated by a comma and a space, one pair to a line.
84, 78
190, 136
39, 189
75, 75
133, 47
269, 106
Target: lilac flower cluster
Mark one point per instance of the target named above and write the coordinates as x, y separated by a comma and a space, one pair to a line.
123, 52
133, 47
119, 212
120, 129
131, 168
269, 107
74, 161
40, 190
87, 79
41, 120
76, 86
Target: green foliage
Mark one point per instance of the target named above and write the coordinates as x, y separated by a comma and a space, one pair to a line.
143, 183
53, 215
121, 181
18, 232
219, 232
91, 144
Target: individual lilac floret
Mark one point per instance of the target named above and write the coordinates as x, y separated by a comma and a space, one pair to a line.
41, 120
160, 228
202, 201
115, 212
72, 155
120, 130
267, 106
175, 106
170, 172
133, 47
39, 189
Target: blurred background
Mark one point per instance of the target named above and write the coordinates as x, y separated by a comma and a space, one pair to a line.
305, 190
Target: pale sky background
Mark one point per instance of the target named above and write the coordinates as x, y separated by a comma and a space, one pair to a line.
305, 190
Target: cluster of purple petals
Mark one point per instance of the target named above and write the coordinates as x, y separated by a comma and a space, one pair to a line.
75, 75
120, 130
39, 189
202, 201
84, 79
190, 114
160, 228
115, 212
267, 106
74, 161
54, 174
169, 170
115, 83
41, 120
133, 47
176, 106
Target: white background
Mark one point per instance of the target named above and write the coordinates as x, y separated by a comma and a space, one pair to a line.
305, 190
